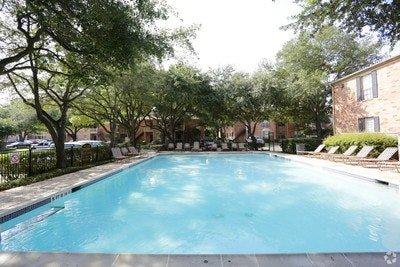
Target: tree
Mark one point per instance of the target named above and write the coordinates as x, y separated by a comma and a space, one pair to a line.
22, 119
6, 129
135, 88
66, 44
76, 123
307, 64
255, 99
381, 16
180, 97
117, 32
101, 105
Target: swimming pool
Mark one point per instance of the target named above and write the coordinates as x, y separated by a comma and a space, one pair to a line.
214, 203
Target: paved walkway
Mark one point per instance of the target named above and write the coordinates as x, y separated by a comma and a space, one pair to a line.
125, 260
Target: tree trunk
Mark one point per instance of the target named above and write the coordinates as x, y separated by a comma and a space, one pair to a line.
318, 126
58, 137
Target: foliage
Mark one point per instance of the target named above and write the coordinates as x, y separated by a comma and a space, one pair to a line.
77, 122
307, 64
289, 145
112, 31
21, 118
182, 95
378, 140
381, 16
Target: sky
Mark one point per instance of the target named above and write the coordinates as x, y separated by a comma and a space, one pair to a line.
236, 32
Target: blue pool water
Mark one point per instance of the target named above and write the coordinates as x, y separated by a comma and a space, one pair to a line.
232, 203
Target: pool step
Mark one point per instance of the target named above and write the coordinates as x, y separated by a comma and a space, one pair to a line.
28, 224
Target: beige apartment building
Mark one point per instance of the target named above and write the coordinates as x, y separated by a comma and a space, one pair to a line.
368, 100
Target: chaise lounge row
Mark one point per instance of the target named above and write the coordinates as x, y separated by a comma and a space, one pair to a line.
213, 147
383, 161
124, 152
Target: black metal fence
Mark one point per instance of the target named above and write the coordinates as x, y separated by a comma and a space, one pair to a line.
14, 165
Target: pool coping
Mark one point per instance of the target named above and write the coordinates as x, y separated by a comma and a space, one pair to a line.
351, 171
99, 259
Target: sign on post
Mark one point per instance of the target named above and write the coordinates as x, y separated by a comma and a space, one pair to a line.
14, 158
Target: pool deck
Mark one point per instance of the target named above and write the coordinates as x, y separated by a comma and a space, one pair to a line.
243, 260
14, 200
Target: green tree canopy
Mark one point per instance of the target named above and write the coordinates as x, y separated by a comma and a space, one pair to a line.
307, 64
381, 16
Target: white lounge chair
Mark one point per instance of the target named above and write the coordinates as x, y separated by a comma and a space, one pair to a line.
383, 158
196, 146
316, 151
186, 146
330, 152
125, 152
214, 146
224, 147
363, 153
350, 151
178, 146
133, 150
116, 152
241, 147
234, 146
171, 146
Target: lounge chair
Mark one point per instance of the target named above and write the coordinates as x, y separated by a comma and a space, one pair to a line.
171, 146
331, 151
234, 146
241, 147
133, 150
214, 147
178, 146
117, 154
125, 152
186, 146
224, 147
196, 146
363, 153
350, 151
383, 158
316, 151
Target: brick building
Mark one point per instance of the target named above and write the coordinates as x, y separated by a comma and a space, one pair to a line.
368, 100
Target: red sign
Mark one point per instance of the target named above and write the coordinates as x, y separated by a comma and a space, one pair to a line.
14, 158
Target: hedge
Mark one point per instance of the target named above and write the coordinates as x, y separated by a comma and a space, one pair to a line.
377, 140
289, 145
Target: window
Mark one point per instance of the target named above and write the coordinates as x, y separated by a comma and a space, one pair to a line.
366, 82
369, 124
367, 86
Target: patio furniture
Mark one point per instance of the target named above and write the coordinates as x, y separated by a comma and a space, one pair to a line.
316, 151
125, 152
383, 158
171, 146
117, 154
186, 146
133, 150
224, 147
241, 147
234, 146
214, 147
363, 153
196, 146
178, 146
331, 151
350, 151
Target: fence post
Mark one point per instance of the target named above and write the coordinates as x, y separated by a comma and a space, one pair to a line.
72, 156
30, 171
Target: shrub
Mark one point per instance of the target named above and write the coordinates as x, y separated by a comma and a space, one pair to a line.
377, 140
289, 145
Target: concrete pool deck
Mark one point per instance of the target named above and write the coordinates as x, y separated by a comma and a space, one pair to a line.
16, 199
243, 260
